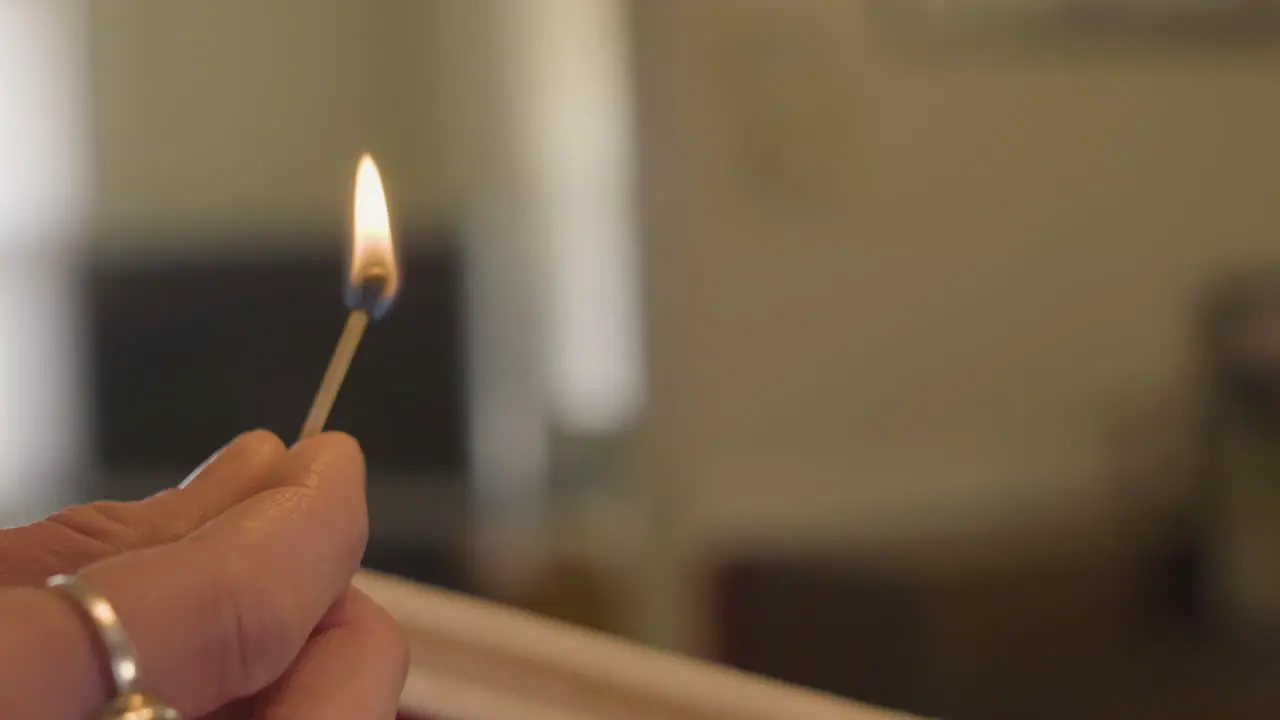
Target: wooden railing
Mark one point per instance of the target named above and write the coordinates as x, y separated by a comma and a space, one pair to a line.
476, 660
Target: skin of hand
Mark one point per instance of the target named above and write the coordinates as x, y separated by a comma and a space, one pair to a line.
235, 587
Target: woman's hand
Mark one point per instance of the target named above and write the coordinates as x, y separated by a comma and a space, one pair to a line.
235, 588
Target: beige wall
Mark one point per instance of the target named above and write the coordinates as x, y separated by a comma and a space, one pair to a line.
920, 316
251, 114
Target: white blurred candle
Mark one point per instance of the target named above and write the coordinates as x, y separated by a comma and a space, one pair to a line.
577, 138
555, 336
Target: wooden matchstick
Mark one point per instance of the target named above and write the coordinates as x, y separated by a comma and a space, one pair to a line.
357, 321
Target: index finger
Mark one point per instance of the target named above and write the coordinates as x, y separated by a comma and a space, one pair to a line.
216, 616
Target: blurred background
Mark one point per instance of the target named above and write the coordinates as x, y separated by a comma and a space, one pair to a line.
924, 352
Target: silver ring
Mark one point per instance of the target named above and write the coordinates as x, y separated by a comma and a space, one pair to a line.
122, 659
129, 702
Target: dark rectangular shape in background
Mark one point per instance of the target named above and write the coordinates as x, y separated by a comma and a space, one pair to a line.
188, 350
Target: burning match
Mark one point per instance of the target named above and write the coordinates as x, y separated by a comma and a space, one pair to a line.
371, 286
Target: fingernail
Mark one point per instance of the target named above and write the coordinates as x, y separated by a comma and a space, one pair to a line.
200, 468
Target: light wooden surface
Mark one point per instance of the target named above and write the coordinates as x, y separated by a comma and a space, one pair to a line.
476, 660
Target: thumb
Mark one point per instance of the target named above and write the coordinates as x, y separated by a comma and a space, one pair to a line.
216, 616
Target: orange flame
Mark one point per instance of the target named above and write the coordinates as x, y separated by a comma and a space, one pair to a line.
374, 278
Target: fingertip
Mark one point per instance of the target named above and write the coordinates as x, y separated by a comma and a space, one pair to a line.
230, 475
330, 438
261, 440
356, 667
383, 638
390, 637
332, 466
382, 625
330, 452
252, 447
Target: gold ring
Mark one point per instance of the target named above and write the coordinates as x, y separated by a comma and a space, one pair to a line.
129, 702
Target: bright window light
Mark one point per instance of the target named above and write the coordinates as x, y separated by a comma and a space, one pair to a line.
43, 201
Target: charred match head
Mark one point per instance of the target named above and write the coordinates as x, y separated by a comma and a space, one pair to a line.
373, 280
